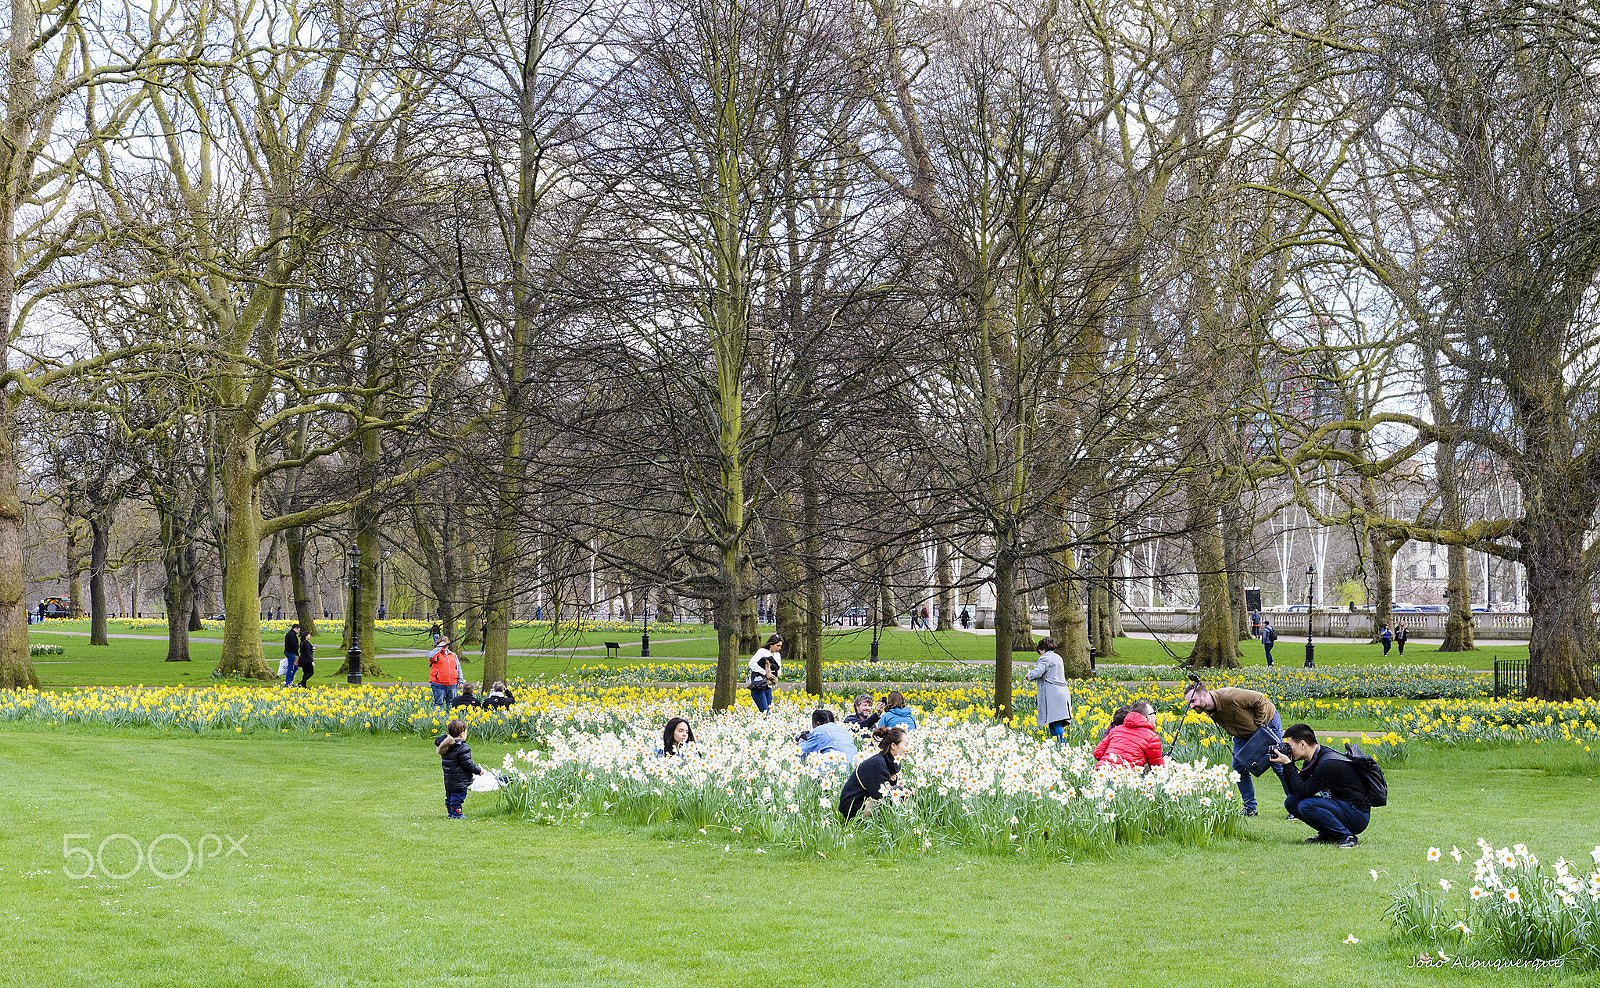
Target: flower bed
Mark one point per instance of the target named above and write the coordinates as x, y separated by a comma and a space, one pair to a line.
1510, 906
976, 787
1498, 722
1281, 683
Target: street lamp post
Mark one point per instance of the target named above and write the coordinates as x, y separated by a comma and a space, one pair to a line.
644, 639
1088, 601
1311, 653
353, 657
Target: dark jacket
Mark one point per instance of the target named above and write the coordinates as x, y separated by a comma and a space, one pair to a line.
291, 643
860, 723
459, 768
307, 650
465, 700
867, 782
1330, 772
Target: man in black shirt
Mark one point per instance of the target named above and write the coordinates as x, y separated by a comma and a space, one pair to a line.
1327, 793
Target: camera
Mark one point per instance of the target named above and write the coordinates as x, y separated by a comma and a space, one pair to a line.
1283, 748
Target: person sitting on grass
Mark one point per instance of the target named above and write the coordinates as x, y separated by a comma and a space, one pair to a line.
459, 768
1133, 742
1328, 793
467, 698
499, 696
826, 734
866, 715
896, 713
674, 737
872, 780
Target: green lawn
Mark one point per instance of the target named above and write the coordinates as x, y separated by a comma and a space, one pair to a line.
353, 877
128, 661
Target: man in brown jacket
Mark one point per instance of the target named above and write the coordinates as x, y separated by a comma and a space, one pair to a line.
1252, 721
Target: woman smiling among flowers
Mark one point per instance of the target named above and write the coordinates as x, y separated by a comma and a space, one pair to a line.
866, 785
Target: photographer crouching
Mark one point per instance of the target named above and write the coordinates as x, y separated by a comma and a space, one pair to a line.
1328, 793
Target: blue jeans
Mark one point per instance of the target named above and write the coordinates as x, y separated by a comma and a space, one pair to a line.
1247, 785
1332, 818
1268, 646
763, 698
442, 695
294, 662
1058, 729
453, 798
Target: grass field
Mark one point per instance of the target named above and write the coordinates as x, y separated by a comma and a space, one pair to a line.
350, 875
129, 660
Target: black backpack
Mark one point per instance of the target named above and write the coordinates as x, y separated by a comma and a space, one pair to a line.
1371, 774
1270, 635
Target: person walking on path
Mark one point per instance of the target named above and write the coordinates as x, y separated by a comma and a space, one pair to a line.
1269, 635
765, 667
1050, 681
291, 654
307, 666
1400, 638
1385, 636
1255, 624
444, 674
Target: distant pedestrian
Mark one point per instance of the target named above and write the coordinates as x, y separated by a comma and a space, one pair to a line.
966, 619
291, 654
1255, 624
436, 632
307, 666
1269, 635
1385, 636
1400, 638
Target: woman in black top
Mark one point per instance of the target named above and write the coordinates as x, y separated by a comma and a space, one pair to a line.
307, 666
873, 775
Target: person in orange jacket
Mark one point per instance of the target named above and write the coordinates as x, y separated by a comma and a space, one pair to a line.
444, 674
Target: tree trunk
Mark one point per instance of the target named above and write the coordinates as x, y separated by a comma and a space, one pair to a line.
812, 519
241, 597
179, 598
1458, 592
99, 548
1005, 595
749, 623
1562, 644
1215, 646
942, 576
440, 563
74, 570
1022, 625
728, 609
304, 610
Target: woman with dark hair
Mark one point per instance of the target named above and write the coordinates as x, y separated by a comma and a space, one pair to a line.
674, 736
827, 734
307, 665
765, 666
867, 783
1050, 680
896, 713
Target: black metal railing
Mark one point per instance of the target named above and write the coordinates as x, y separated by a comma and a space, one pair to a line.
1511, 678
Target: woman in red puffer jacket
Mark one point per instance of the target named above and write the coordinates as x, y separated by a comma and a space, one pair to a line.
1132, 743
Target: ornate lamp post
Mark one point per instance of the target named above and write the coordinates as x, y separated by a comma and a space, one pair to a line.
383, 586
644, 639
353, 657
1311, 654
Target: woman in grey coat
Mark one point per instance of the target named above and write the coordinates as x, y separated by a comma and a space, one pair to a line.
1050, 679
